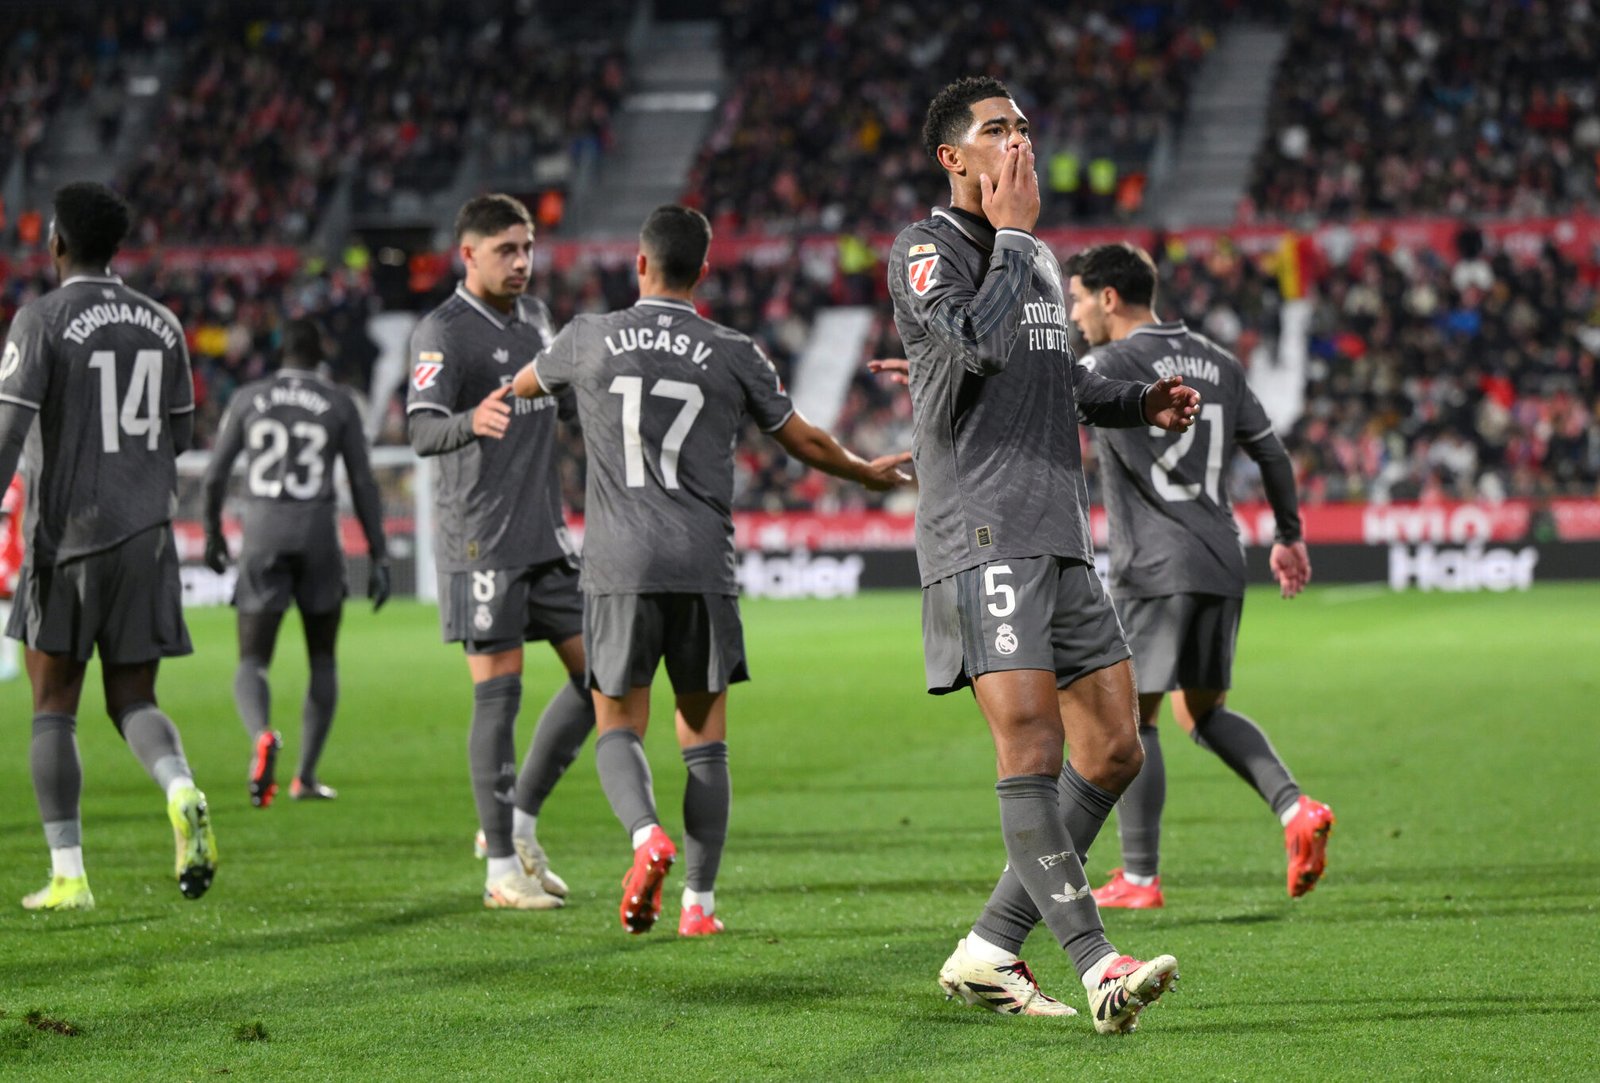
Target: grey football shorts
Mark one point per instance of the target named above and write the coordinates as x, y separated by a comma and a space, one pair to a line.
500, 610
625, 637
127, 601
313, 579
1182, 640
1046, 613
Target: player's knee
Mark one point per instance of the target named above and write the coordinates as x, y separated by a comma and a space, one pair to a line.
1120, 765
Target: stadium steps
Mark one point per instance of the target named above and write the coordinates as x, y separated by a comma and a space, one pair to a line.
1225, 124
830, 360
72, 150
677, 78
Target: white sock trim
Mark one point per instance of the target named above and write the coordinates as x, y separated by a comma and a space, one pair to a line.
1097, 969
177, 784
67, 862
984, 951
1288, 814
524, 826
705, 900
1136, 880
502, 866
642, 836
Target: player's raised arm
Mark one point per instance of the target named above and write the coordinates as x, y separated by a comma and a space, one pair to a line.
818, 449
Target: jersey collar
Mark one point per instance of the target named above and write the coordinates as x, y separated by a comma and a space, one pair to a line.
972, 227
113, 280
517, 314
1170, 329
665, 302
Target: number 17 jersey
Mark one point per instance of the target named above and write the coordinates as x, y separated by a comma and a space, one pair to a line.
106, 368
662, 394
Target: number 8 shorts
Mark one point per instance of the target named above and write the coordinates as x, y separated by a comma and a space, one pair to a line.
1047, 613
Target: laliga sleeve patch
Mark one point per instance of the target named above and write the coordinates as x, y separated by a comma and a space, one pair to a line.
426, 373
919, 272
12, 361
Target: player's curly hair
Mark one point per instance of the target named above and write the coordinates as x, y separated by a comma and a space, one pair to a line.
491, 214
676, 240
1126, 268
91, 221
950, 112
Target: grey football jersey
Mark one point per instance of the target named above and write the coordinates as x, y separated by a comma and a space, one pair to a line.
996, 395
1172, 525
498, 501
106, 367
291, 428
662, 394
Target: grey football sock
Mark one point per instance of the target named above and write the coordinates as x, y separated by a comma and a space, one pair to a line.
316, 716
492, 757
253, 696
1239, 743
1010, 914
57, 778
562, 729
154, 740
707, 798
625, 777
1139, 811
1042, 857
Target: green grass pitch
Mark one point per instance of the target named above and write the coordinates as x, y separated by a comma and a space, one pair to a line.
1457, 934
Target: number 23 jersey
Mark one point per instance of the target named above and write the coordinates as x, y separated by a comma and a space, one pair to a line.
662, 394
290, 428
106, 368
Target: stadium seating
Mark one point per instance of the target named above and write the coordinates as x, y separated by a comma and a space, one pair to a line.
1485, 109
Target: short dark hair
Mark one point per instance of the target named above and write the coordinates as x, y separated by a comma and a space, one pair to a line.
491, 214
676, 239
302, 344
950, 112
1126, 268
92, 221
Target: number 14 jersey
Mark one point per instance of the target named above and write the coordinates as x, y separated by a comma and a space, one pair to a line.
106, 368
662, 394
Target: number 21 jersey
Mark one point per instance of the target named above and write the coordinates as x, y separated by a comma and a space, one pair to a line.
106, 368
662, 395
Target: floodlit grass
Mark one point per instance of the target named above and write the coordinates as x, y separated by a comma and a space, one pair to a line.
1454, 937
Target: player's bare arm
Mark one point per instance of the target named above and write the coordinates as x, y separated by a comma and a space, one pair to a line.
492, 416
819, 450
526, 385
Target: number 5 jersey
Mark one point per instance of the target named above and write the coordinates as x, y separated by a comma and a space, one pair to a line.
106, 368
662, 395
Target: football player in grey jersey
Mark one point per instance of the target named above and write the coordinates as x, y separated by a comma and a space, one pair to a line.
291, 428
1177, 564
507, 573
1011, 603
663, 394
95, 378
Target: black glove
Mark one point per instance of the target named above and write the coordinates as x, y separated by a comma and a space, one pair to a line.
378, 584
216, 552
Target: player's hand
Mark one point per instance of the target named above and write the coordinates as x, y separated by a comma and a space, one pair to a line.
898, 369
1291, 567
884, 473
1011, 200
216, 557
378, 584
492, 416
1171, 406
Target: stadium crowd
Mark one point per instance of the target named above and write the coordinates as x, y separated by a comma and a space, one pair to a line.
1433, 107
821, 132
